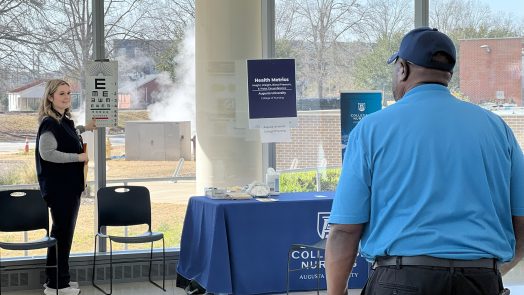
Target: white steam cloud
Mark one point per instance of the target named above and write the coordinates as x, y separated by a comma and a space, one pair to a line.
177, 100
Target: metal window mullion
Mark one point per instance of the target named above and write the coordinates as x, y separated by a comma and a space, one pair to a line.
421, 13
100, 135
268, 51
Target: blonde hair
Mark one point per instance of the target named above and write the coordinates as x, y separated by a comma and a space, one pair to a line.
46, 107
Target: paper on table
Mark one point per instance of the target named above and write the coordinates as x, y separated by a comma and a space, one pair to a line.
266, 199
239, 196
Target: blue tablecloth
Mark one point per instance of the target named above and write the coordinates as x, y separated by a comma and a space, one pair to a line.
241, 246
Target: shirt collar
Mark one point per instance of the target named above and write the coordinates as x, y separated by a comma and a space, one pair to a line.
424, 88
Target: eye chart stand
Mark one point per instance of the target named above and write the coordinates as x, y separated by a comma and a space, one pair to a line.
102, 105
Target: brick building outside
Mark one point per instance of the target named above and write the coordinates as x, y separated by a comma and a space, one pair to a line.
491, 70
316, 142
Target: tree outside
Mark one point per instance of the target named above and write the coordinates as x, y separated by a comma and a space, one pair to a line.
344, 45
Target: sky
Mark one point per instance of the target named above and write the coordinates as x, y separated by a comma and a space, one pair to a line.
516, 7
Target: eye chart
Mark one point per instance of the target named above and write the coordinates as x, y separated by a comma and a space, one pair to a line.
102, 93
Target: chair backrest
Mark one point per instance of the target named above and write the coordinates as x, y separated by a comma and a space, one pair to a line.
23, 210
123, 205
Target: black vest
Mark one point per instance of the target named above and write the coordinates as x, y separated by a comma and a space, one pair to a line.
60, 178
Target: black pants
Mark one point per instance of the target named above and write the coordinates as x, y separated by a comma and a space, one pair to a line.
64, 212
427, 280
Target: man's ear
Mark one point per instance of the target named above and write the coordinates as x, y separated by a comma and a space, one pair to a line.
403, 69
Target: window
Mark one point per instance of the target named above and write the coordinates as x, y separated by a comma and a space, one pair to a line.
150, 82
489, 72
345, 51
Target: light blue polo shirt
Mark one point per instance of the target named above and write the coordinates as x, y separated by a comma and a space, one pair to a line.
432, 175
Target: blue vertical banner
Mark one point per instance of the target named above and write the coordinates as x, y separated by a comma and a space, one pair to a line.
355, 105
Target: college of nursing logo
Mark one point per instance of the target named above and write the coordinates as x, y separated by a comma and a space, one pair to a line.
314, 259
361, 106
323, 224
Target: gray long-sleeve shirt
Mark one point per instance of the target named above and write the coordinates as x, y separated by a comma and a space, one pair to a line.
47, 146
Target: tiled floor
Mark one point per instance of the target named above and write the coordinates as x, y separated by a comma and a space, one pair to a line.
142, 288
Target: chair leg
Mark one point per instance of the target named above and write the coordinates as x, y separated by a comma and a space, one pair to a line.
287, 276
163, 263
110, 267
94, 272
150, 261
0, 272
46, 267
94, 266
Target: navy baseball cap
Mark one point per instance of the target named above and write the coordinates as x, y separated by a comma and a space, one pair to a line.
421, 44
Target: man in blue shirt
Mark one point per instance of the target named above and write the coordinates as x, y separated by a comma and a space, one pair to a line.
432, 187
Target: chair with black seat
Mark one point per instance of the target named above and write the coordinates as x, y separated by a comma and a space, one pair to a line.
126, 206
21, 211
319, 246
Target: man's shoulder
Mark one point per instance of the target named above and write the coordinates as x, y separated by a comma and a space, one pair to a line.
480, 111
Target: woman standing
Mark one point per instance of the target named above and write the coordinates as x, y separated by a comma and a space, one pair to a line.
59, 165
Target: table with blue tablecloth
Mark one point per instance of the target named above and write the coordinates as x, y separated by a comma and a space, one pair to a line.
241, 246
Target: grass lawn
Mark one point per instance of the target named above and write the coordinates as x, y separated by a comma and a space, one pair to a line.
16, 126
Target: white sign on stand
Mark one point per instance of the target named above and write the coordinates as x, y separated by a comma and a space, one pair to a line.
102, 93
276, 133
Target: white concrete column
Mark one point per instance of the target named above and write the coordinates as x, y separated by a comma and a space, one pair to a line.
227, 33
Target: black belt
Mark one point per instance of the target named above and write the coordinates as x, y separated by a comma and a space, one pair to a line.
433, 261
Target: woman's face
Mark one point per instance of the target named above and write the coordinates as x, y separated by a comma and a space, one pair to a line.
61, 99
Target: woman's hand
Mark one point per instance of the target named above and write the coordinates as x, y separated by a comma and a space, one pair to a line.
91, 125
83, 157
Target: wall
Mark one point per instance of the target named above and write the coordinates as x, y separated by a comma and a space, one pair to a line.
516, 122
496, 66
319, 132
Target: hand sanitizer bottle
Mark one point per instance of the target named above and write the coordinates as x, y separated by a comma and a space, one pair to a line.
273, 181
